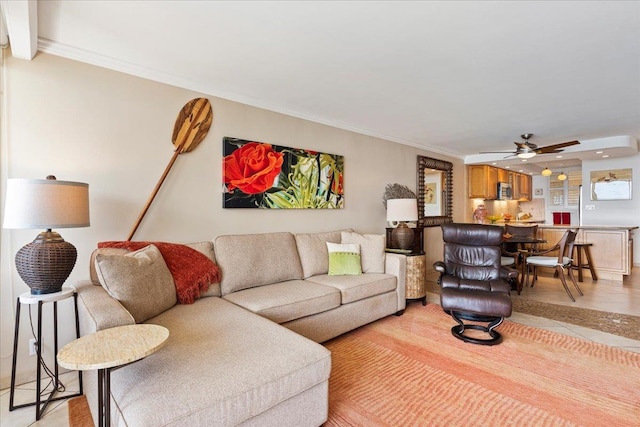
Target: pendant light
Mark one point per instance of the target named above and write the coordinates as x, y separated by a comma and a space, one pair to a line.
562, 176
546, 171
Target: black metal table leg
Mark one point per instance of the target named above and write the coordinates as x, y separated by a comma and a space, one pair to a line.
104, 397
75, 304
100, 397
15, 355
39, 361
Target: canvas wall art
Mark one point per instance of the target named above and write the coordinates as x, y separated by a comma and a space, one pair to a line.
268, 176
614, 184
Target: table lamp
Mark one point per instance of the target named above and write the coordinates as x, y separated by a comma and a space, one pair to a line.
46, 263
402, 210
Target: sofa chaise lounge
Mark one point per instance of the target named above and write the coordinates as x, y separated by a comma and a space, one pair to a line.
246, 352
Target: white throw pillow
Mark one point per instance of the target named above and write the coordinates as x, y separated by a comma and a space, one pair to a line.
371, 250
140, 281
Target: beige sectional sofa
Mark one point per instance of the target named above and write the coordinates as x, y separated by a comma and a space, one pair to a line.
246, 352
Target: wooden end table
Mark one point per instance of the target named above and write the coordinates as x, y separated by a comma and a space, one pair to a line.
110, 348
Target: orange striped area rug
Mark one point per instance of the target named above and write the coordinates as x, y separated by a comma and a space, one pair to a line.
410, 371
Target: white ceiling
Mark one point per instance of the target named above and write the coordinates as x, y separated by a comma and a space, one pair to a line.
452, 77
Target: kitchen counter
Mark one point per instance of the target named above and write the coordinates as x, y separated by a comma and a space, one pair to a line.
590, 227
612, 251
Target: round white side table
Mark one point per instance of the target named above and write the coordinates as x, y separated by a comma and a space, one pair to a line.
110, 348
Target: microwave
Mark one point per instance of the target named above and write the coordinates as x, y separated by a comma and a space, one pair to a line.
504, 191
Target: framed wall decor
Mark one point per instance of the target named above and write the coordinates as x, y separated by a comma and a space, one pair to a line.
267, 176
614, 184
435, 189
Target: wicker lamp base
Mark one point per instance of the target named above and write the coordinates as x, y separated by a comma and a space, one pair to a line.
46, 263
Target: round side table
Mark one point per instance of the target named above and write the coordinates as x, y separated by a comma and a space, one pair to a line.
110, 348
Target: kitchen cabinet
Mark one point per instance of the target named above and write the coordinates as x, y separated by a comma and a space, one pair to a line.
483, 182
503, 175
521, 186
612, 250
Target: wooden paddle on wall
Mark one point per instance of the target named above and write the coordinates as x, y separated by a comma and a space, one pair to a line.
192, 124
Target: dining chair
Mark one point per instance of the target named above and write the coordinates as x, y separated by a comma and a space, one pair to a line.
512, 253
512, 260
560, 263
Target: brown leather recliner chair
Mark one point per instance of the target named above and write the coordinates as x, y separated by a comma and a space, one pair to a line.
473, 284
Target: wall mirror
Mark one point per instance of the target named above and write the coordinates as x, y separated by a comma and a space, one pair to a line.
435, 191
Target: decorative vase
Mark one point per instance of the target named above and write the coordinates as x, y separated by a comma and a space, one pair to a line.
480, 214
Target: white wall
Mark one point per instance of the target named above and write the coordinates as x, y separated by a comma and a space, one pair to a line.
113, 131
613, 212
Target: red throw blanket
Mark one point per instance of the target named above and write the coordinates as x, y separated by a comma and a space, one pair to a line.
192, 271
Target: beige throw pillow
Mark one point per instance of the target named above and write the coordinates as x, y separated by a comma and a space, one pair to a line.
371, 250
140, 280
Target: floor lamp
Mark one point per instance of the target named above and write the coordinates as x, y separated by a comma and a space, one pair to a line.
46, 263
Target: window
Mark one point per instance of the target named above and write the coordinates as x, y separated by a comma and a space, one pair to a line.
565, 193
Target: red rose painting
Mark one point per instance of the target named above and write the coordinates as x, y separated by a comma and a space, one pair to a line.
262, 175
252, 168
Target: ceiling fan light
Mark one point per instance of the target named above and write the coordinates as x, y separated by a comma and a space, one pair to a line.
562, 176
527, 154
546, 172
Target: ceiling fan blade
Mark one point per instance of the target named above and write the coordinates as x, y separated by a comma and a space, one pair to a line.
554, 148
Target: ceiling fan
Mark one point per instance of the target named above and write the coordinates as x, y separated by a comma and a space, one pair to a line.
526, 149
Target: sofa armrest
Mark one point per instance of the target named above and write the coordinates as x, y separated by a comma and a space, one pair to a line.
396, 264
97, 310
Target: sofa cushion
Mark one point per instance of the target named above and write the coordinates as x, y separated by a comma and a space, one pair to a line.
371, 249
344, 259
222, 365
251, 260
354, 288
140, 281
313, 251
282, 302
93, 274
204, 247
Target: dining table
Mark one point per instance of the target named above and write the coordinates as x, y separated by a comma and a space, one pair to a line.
524, 245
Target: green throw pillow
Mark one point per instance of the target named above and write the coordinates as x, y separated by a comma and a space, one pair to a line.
344, 259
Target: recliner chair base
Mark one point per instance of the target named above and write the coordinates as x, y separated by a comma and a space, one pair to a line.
494, 322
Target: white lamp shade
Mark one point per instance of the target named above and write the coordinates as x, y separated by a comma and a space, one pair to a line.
527, 154
46, 204
402, 210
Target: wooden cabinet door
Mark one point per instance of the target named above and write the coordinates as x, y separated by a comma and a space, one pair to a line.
483, 181
503, 175
492, 182
515, 185
477, 182
525, 187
